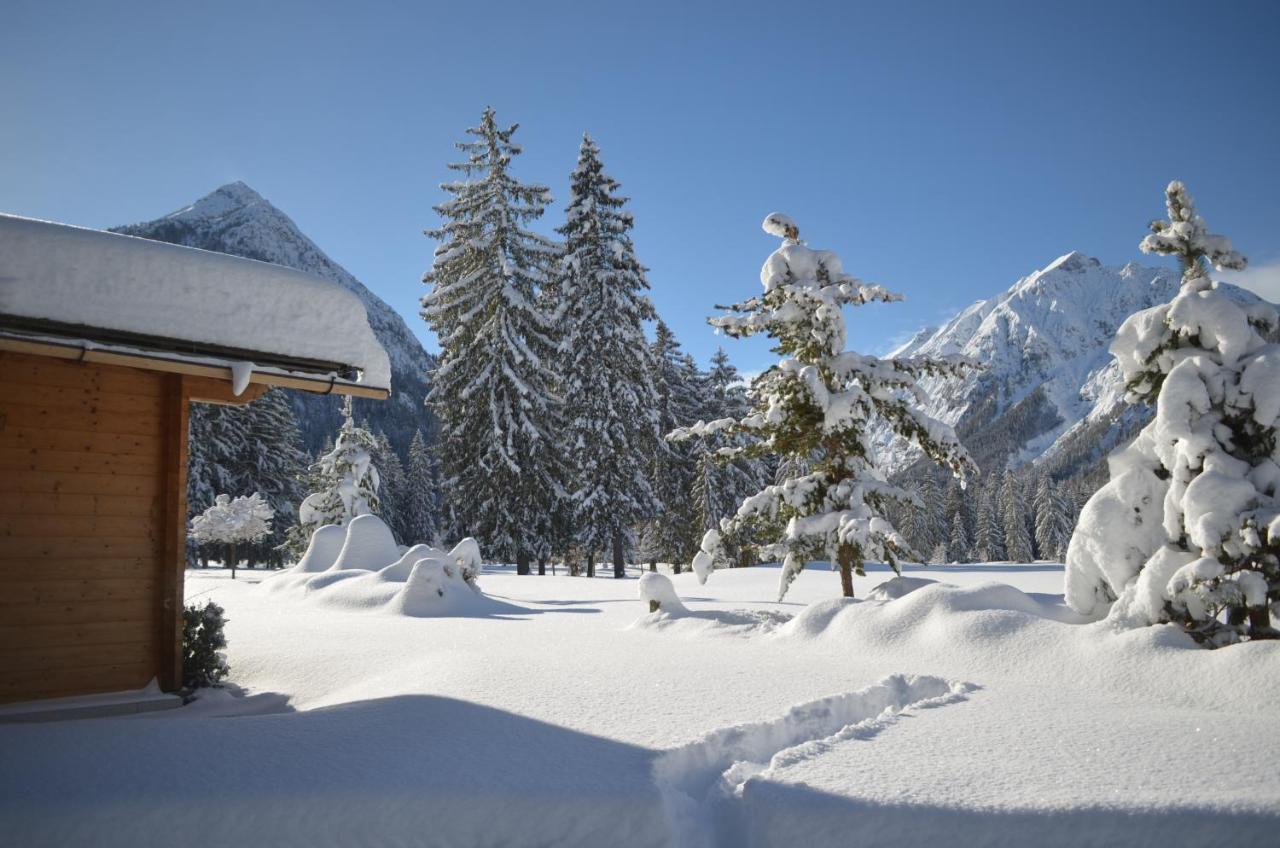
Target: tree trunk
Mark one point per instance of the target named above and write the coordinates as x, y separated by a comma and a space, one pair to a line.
619, 567
845, 559
1260, 624
653, 565
675, 568
235, 558
542, 567
591, 563
522, 561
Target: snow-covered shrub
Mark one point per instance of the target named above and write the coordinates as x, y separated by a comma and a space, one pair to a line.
203, 663
1188, 528
660, 593
232, 521
814, 409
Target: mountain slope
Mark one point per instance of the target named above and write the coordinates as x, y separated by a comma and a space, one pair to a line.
1048, 383
237, 220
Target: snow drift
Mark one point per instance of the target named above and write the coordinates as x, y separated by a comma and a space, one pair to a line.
361, 567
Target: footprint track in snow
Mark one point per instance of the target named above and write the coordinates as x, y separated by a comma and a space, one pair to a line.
701, 782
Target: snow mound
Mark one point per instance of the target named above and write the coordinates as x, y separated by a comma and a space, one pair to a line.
436, 587
323, 549
400, 570
369, 545
658, 589
360, 567
891, 590
978, 615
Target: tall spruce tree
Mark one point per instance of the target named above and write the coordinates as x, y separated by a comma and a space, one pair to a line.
611, 427
1017, 533
420, 502
391, 494
818, 403
1188, 528
959, 546
272, 464
673, 532
919, 520
722, 481
988, 541
492, 391
1053, 519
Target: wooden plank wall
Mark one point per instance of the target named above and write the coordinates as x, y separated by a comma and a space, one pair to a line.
86, 526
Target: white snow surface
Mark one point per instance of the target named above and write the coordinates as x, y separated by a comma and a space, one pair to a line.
965, 711
80, 276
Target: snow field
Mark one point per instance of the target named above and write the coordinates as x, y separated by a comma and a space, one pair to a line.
572, 716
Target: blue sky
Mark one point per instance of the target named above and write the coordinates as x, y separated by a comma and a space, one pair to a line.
944, 149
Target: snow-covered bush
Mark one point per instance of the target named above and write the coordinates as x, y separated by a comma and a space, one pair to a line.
814, 410
1188, 528
232, 521
660, 593
203, 663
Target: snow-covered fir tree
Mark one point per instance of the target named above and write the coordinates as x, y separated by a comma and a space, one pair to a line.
217, 446
1015, 513
989, 539
611, 424
959, 546
672, 534
346, 484
1188, 528
420, 503
818, 403
922, 521
392, 491
274, 461
492, 391
723, 481
1054, 519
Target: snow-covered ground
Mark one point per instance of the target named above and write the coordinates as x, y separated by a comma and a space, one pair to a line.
976, 713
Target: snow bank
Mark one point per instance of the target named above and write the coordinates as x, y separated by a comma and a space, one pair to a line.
73, 275
360, 567
891, 590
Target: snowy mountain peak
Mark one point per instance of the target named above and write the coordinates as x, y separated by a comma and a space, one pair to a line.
1044, 346
1047, 373
225, 200
1074, 262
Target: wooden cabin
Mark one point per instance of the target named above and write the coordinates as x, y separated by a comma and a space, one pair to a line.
105, 341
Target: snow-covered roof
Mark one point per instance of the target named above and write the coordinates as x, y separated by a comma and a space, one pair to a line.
126, 294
